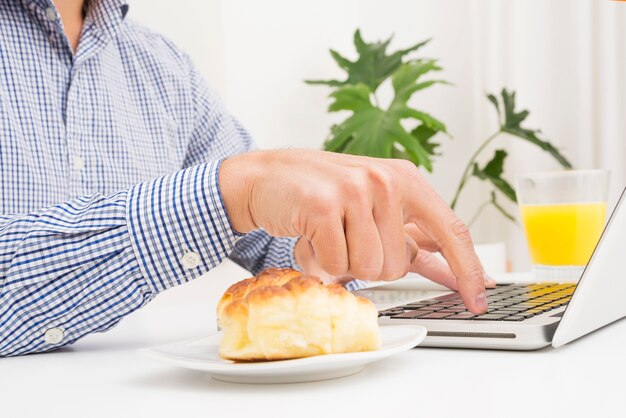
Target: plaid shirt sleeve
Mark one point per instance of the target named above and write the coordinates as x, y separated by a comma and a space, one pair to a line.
80, 266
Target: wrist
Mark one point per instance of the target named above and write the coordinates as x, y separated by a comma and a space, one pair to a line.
236, 180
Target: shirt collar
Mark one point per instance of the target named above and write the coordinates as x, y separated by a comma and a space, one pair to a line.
41, 3
103, 20
105, 14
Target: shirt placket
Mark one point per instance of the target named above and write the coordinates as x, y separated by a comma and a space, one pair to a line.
74, 130
48, 17
79, 101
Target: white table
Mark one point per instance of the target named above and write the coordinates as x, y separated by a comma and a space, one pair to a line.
103, 376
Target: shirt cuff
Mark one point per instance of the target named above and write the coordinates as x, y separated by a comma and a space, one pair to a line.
292, 254
178, 225
356, 284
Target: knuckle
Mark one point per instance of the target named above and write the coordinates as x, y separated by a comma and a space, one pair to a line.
367, 271
352, 186
409, 168
335, 267
383, 178
319, 204
354, 190
475, 275
393, 272
459, 229
424, 258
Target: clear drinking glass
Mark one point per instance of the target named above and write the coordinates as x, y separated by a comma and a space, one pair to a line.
563, 214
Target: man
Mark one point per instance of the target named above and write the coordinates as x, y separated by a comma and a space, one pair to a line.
122, 175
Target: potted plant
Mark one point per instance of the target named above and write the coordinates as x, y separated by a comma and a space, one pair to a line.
398, 130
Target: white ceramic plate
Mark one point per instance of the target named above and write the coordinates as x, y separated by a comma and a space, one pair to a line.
203, 354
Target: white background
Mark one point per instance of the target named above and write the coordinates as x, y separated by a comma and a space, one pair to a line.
566, 59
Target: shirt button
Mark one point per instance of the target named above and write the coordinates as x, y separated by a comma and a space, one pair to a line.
54, 335
191, 260
51, 14
78, 162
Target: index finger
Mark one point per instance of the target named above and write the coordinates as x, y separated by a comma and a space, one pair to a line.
424, 207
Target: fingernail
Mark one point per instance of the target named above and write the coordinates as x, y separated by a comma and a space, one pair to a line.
481, 302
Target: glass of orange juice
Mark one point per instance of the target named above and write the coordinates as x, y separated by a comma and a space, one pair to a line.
563, 214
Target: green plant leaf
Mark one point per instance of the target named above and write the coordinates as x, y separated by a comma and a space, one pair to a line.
512, 125
377, 132
492, 172
494, 100
424, 135
501, 209
352, 98
373, 65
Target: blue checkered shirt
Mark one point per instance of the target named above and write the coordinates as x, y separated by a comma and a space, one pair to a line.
109, 159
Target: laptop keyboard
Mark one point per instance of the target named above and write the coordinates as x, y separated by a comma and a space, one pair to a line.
507, 302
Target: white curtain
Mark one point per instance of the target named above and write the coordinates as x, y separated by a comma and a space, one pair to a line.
565, 58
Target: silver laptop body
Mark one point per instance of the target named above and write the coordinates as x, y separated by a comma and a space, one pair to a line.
598, 299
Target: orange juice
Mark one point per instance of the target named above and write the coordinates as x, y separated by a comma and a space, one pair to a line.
563, 234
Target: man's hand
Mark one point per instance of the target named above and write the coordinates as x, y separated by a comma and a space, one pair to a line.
354, 212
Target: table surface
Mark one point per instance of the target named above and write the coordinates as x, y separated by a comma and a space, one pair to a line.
102, 375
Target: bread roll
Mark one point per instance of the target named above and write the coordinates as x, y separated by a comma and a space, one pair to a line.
281, 314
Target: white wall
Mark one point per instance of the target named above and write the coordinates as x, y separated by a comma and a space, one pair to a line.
566, 58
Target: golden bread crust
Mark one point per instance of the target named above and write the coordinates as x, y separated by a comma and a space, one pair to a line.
282, 314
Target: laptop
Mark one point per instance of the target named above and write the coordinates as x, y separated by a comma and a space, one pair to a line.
528, 316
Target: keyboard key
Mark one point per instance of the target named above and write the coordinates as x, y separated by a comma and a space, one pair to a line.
446, 304
538, 286
498, 297
513, 310
415, 305
519, 299
462, 315
502, 312
390, 313
500, 305
409, 315
431, 308
448, 296
489, 317
514, 318
436, 315
421, 303
457, 309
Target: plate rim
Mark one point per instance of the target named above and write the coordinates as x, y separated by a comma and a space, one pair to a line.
231, 367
